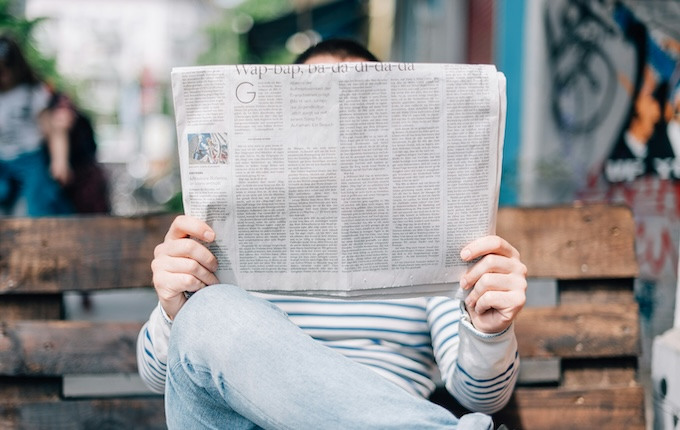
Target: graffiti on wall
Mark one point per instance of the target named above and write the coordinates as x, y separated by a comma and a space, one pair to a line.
586, 76
614, 78
649, 140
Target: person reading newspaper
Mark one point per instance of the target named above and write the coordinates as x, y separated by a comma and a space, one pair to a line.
228, 358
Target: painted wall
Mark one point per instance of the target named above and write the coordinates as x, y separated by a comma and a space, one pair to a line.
601, 122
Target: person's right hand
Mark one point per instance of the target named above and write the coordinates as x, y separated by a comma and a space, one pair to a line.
182, 264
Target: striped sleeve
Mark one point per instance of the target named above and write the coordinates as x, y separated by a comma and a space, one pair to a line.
152, 350
478, 369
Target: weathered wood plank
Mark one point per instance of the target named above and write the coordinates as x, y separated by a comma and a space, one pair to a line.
50, 255
583, 330
142, 413
620, 407
62, 347
599, 373
604, 291
58, 347
101, 252
556, 409
29, 307
13, 390
590, 241
53, 348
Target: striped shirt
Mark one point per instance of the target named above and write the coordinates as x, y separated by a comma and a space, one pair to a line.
414, 343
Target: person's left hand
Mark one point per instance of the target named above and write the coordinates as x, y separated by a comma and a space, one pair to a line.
60, 169
497, 283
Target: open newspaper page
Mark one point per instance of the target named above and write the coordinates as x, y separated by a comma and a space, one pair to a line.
343, 180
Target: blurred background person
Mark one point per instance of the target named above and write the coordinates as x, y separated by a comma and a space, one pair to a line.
87, 187
25, 122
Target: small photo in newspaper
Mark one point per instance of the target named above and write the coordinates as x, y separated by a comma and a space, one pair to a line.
208, 148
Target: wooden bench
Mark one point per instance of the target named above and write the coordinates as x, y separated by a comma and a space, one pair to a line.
578, 337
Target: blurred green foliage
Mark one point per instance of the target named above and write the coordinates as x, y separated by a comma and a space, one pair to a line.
21, 29
227, 44
175, 204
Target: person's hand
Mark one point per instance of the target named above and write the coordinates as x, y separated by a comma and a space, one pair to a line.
60, 169
183, 264
497, 283
55, 124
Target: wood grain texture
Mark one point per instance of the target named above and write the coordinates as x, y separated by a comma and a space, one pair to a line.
49, 255
619, 407
556, 409
599, 373
100, 252
583, 330
602, 291
590, 241
58, 347
53, 348
31, 306
593, 331
141, 413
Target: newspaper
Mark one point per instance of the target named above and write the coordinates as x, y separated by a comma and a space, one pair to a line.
348, 180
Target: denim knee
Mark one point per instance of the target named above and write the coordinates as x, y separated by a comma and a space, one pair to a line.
220, 320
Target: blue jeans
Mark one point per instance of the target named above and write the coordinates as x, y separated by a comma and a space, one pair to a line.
236, 362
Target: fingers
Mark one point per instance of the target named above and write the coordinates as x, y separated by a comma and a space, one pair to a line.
183, 264
187, 226
488, 245
496, 310
187, 274
492, 263
494, 285
497, 283
188, 249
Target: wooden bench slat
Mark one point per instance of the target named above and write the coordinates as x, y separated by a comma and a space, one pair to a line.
100, 252
141, 413
599, 373
50, 255
591, 241
579, 330
556, 409
59, 347
14, 389
52, 348
30, 307
602, 291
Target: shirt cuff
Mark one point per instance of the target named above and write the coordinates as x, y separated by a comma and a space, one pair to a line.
165, 316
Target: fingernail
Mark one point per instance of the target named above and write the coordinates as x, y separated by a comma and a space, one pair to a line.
209, 235
465, 254
463, 283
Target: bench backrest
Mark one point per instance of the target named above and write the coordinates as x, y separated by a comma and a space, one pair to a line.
592, 329
579, 335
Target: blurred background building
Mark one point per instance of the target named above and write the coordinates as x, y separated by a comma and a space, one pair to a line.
578, 73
